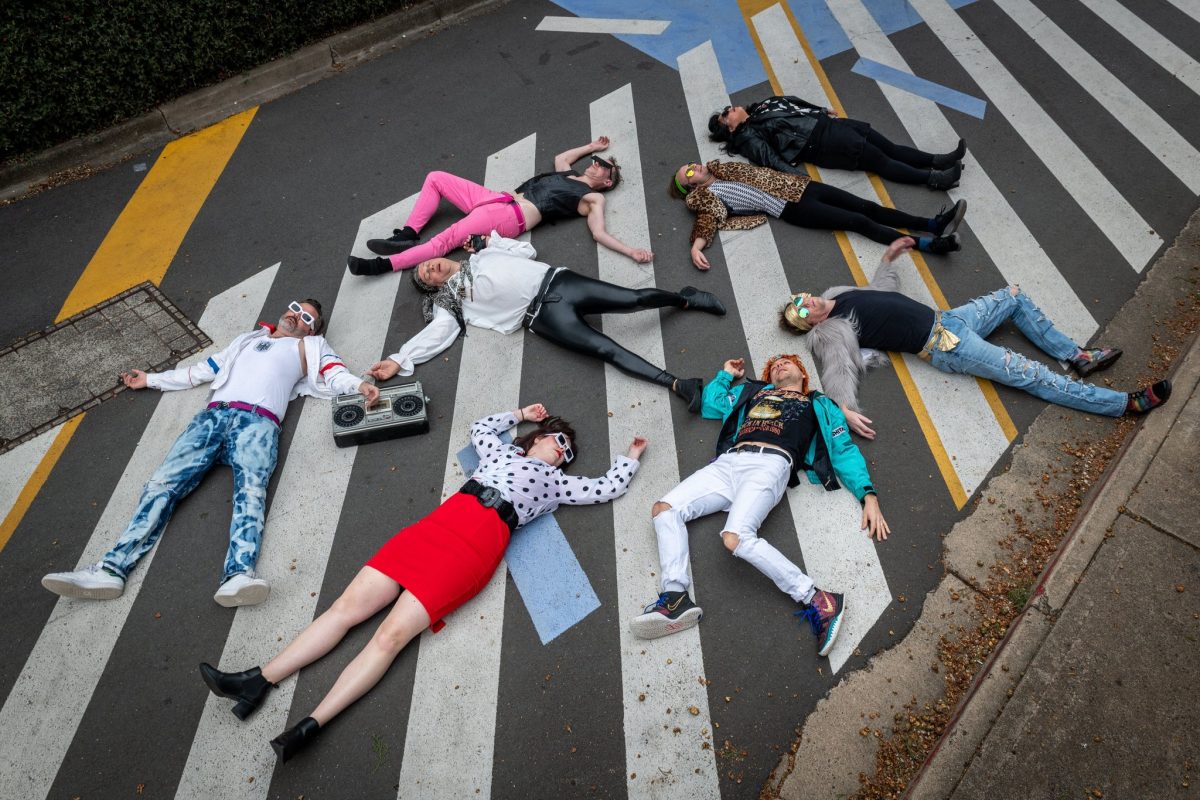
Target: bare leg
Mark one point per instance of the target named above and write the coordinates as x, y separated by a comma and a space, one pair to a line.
406, 619
370, 591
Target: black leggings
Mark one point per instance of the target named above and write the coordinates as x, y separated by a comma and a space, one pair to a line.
894, 162
825, 206
570, 295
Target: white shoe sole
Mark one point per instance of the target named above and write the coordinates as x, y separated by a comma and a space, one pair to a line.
70, 589
249, 595
834, 628
654, 625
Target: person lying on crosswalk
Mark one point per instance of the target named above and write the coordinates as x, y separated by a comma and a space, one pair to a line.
785, 133
441, 562
253, 380
504, 289
733, 196
548, 197
878, 317
770, 431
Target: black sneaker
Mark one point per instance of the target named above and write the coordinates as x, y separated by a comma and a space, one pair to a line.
1089, 361
939, 245
698, 300
670, 613
400, 240
824, 613
948, 219
368, 266
944, 178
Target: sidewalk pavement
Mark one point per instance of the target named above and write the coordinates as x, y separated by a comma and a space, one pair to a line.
1093, 692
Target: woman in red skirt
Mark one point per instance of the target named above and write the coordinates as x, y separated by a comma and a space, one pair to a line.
431, 568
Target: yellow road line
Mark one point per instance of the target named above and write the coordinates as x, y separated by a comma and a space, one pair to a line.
942, 458
140, 246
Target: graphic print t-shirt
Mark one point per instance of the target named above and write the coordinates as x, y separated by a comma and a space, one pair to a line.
780, 417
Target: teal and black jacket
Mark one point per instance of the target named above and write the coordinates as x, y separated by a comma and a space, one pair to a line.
831, 457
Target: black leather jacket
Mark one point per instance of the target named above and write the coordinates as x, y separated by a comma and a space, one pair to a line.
775, 139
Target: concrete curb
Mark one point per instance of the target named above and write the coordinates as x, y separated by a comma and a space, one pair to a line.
212, 104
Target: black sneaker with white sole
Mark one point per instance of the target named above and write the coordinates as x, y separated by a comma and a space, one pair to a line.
670, 613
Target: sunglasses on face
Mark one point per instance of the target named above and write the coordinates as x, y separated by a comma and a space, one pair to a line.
305, 317
608, 165
798, 302
560, 440
725, 112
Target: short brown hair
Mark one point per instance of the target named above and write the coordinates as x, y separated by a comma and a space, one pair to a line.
550, 425
320, 326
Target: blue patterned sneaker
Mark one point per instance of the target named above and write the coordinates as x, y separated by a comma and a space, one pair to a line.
670, 613
824, 614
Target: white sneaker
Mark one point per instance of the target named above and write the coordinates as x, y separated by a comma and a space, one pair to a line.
243, 589
93, 583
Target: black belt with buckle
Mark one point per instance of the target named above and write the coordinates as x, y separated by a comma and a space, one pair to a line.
490, 497
754, 448
535, 304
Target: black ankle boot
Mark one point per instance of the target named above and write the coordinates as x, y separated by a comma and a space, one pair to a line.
947, 160
368, 266
296, 738
943, 179
698, 300
691, 390
249, 688
400, 240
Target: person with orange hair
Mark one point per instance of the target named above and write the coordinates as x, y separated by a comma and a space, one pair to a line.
771, 429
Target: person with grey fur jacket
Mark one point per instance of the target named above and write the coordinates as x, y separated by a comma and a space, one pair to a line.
849, 327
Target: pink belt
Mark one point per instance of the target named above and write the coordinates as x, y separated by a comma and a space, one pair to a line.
240, 406
516, 207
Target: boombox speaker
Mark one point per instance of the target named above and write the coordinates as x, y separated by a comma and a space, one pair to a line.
401, 411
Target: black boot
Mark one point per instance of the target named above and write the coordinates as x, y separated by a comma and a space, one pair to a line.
296, 738
943, 179
702, 301
947, 160
368, 266
948, 219
249, 688
400, 240
691, 390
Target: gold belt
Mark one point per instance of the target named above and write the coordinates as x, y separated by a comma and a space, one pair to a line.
939, 339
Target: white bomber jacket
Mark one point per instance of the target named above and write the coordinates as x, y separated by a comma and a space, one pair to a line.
325, 377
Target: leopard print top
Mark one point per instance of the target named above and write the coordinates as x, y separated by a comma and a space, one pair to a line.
712, 214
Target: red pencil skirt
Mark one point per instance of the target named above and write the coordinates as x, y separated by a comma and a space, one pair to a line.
448, 557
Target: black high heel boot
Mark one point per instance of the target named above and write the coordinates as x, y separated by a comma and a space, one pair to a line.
249, 688
296, 738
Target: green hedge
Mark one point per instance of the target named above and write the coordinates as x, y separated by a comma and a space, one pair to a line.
72, 67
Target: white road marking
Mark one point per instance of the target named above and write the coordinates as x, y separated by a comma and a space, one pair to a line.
458, 669
1008, 242
965, 422
665, 670
1151, 130
18, 464
1088, 186
837, 555
652, 27
1157, 47
43, 711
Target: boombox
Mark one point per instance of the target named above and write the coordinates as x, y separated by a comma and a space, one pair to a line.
399, 412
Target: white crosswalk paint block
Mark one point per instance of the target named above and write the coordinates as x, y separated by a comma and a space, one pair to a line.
36, 727
667, 765
964, 420
1127, 108
1008, 242
837, 555
18, 464
1189, 7
1157, 47
616, 27
450, 744
1114, 216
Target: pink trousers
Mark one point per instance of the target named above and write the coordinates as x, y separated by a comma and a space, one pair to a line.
485, 211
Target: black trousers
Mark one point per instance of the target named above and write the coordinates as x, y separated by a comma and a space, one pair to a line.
825, 206
570, 296
850, 144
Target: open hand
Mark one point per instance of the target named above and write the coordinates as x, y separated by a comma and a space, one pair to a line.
371, 392
382, 370
903, 245
699, 260
872, 519
859, 423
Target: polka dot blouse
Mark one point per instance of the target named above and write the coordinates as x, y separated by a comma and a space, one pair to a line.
530, 484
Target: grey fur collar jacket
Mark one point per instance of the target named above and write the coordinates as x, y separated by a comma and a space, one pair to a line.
839, 360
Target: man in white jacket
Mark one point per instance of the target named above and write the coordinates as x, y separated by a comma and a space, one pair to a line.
254, 379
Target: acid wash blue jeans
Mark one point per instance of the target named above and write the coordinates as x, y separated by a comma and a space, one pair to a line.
246, 442
974, 320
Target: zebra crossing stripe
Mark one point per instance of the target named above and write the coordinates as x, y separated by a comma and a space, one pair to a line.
666, 670
836, 554
458, 669
1008, 242
1158, 48
36, 726
1087, 185
24, 469
1151, 130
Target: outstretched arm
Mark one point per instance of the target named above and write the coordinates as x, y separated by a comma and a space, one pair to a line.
565, 159
887, 274
595, 221
433, 339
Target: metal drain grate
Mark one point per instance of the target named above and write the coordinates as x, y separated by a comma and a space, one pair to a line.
54, 374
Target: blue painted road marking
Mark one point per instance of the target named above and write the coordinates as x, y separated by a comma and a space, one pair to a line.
556, 590
942, 95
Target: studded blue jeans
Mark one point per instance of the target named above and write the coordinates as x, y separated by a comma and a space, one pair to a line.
974, 320
246, 442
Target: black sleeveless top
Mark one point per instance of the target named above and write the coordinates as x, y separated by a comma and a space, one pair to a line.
555, 194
